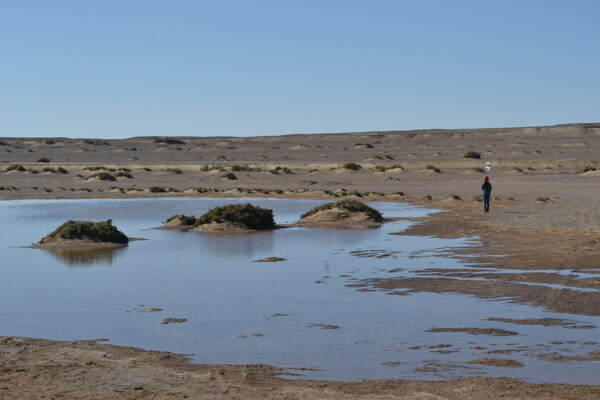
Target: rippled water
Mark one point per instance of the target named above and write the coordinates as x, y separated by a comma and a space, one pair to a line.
299, 313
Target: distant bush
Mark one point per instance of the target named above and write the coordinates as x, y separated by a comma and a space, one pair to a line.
313, 170
123, 174
157, 189
33, 171
96, 142
253, 217
279, 170
50, 169
99, 168
517, 169
15, 167
176, 171
245, 168
352, 166
42, 159
61, 170
433, 168
479, 169
168, 140
185, 219
383, 168
230, 175
347, 204
103, 176
588, 168
472, 154
96, 231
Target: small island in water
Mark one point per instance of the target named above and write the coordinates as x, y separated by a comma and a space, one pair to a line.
230, 218
84, 235
347, 214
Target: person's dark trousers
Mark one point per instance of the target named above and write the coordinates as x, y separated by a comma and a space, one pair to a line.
486, 202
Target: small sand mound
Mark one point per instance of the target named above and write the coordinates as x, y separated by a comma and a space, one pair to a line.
180, 221
222, 227
84, 235
347, 213
235, 218
451, 199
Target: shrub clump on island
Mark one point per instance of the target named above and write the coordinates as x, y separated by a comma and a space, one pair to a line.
252, 217
351, 205
104, 232
181, 219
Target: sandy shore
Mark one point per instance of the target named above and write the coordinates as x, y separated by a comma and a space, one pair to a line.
544, 217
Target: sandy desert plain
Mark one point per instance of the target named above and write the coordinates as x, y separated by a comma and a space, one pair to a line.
544, 219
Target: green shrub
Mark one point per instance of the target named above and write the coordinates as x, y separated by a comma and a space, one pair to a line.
96, 231
245, 168
103, 176
99, 168
252, 216
185, 219
352, 166
347, 204
472, 154
383, 168
123, 174
14, 167
230, 175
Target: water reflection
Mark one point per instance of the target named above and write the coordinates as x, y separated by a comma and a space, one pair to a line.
237, 245
86, 258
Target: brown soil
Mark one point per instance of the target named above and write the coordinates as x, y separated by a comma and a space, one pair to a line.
497, 362
271, 259
475, 331
35, 368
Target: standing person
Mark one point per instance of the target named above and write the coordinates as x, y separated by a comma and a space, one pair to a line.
487, 191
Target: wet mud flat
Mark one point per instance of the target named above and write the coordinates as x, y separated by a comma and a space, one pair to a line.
519, 267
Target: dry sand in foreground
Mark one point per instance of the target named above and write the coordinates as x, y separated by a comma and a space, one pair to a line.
544, 215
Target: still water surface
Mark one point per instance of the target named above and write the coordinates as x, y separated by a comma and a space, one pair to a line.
294, 314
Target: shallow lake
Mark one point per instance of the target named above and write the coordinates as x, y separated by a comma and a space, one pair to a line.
299, 315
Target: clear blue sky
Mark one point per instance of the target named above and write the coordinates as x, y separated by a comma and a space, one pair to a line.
122, 68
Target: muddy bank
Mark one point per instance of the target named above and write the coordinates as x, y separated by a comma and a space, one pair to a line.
90, 370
